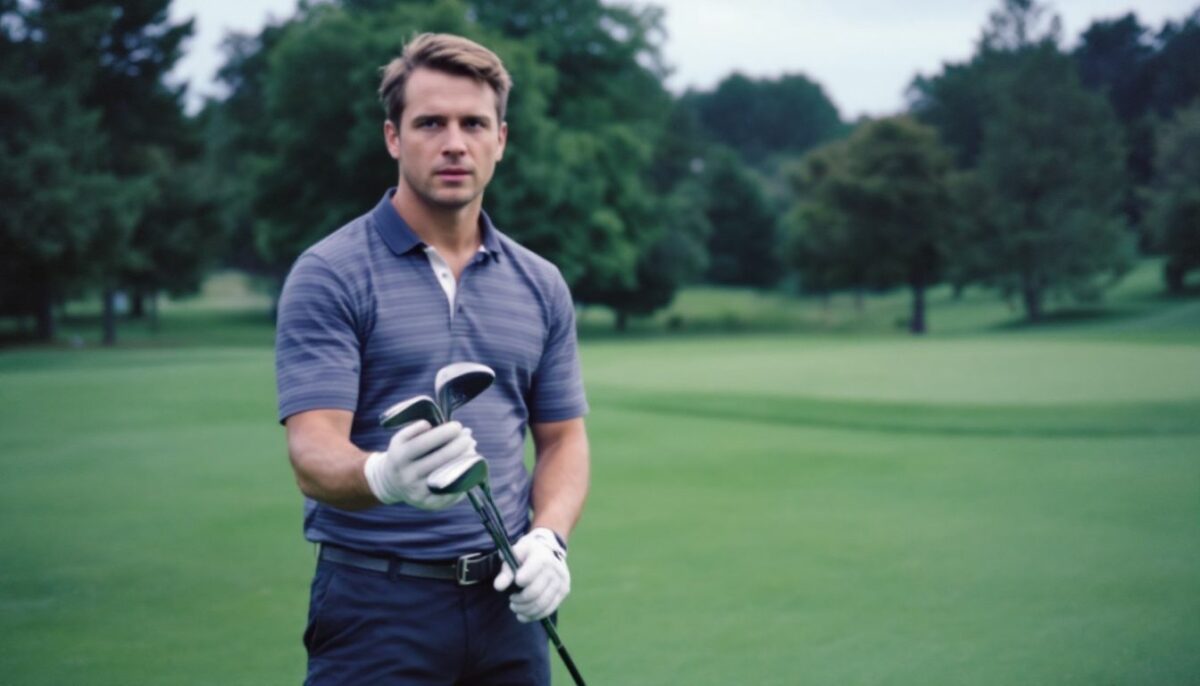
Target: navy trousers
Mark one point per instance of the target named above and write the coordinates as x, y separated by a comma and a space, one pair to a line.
367, 627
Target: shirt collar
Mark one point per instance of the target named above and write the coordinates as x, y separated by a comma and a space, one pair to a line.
400, 238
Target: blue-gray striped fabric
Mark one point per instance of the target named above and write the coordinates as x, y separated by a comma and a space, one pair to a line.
364, 324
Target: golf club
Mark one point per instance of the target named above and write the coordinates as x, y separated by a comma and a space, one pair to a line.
411, 410
456, 384
491, 522
470, 476
458, 477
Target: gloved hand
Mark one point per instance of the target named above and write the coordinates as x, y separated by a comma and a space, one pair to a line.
399, 474
542, 577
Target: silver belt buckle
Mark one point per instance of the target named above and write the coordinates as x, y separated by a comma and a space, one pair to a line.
462, 567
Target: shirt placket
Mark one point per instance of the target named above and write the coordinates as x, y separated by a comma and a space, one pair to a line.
471, 267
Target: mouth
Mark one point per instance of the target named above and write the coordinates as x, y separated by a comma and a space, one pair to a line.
452, 173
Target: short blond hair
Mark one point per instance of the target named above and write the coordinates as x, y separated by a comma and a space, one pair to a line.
446, 53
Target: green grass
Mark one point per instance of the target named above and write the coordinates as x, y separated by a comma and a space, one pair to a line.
994, 504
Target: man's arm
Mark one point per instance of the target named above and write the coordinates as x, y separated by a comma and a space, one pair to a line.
328, 467
561, 474
331, 469
560, 485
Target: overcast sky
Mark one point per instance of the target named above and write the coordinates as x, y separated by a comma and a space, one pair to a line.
863, 52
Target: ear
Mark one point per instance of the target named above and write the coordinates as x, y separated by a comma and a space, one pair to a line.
391, 137
503, 133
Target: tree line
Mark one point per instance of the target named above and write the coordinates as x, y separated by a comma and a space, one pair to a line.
1035, 170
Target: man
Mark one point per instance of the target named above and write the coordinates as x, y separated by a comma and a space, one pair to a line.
408, 588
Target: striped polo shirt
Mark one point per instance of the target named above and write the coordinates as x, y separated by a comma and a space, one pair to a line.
363, 324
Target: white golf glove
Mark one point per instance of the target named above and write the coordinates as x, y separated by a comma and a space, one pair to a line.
542, 577
399, 474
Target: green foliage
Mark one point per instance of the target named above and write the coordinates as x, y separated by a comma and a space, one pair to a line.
1145, 76
1052, 163
1175, 199
873, 211
743, 245
959, 100
1046, 159
303, 123
95, 145
765, 118
575, 189
65, 215
1113, 56
1176, 80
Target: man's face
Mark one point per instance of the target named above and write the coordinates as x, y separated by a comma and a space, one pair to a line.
448, 140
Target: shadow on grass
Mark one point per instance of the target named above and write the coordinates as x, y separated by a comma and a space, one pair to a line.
1071, 316
172, 330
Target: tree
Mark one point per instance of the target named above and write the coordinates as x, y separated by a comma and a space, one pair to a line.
743, 245
1175, 199
573, 183
764, 119
147, 137
592, 152
1114, 58
881, 202
958, 101
1046, 159
64, 215
237, 143
674, 256
821, 244
103, 62
1173, 67
1053, 164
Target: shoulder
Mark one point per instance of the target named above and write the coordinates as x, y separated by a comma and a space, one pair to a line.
540, 271
347, 249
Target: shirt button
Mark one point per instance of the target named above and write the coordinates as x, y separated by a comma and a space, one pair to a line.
445, 275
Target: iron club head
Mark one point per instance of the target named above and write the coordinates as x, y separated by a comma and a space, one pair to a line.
458, 476
456, 384
411, 410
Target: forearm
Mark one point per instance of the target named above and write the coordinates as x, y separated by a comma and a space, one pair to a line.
328, 467
561, 478
334, 477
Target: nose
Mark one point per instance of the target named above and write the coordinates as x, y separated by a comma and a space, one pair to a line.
454, 143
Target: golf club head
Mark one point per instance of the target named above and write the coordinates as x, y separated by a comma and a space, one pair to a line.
456, 384
411, 410
458, 476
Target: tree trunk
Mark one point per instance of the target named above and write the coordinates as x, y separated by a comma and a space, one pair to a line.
1032, 296
109, 318
916, 324
153, 310
1174, 275
46, 330
622, 320
137, 308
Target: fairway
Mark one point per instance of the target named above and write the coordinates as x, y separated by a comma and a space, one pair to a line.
994, 509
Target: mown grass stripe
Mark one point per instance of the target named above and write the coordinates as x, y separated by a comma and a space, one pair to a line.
1050, 421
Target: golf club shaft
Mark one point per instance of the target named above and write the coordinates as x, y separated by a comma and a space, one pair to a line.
491, 521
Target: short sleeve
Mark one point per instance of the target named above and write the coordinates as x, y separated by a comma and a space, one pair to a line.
557, 390
317, 350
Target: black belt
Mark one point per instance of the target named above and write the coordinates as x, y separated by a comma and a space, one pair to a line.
467, 570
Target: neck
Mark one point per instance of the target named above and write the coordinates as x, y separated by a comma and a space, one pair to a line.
452, 230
